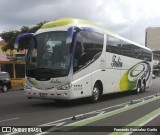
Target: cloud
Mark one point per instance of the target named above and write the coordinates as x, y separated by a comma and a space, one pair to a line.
125, 17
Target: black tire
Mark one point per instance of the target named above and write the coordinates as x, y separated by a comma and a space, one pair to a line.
138, 89
4, 88
95, 94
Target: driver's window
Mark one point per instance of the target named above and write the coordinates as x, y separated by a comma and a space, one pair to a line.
89, 46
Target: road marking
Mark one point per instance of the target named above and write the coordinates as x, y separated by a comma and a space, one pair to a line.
42, 133
140, 122
52, 123
10, 119
97, 111
100, 111
51, 129
12, 133
80, 123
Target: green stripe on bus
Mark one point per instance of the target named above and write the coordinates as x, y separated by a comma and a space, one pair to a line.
140, 121
103, 116
66, 21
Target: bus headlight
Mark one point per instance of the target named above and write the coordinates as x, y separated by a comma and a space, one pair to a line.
65, 87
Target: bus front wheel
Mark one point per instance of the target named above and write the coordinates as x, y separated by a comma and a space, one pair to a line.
95, 94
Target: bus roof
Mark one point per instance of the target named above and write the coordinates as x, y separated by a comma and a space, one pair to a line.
74, 22
77, 22
66, 21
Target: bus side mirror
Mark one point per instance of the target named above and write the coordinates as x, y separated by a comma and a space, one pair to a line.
20, 36
71, 35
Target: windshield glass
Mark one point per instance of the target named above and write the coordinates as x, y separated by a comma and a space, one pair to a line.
48, 55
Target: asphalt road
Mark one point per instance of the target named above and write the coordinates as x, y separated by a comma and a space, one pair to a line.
81, 116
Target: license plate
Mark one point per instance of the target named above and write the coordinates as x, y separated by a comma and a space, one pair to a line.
42, 94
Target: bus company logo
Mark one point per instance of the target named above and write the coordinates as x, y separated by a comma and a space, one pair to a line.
116, 63
55, 81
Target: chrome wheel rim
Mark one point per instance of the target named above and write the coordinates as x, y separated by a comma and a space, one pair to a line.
95, 94
138, 89
143, 87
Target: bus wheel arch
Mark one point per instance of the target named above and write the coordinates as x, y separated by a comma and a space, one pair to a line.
97, 91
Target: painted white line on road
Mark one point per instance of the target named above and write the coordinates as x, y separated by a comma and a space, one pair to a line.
100, 111
144, 123
97, 111
12, 133
93, 119
149, 120
50, 130
42, 133
53, 123
10, 119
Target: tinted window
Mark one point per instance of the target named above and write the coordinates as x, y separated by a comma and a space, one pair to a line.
114, 45
88, 48
129, 49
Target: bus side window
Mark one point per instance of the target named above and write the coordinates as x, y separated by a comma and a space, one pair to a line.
113, 45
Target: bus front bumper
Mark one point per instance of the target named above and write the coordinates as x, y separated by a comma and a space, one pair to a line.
49, 94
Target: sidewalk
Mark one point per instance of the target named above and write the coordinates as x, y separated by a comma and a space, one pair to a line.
17, 88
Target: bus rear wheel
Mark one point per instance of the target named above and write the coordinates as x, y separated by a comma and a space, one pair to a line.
143, 88
138, 89
95, 94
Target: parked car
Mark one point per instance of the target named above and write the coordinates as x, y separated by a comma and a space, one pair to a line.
5, 81
153, 76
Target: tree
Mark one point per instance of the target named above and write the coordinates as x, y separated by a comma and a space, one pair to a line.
10, 36
24, 29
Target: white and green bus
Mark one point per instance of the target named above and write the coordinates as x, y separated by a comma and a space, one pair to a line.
73, 58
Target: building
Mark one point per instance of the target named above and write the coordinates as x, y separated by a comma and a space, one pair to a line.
152, 41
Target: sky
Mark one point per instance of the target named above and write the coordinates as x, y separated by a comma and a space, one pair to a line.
128, 18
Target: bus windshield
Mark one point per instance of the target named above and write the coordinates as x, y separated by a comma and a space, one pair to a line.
48, 55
